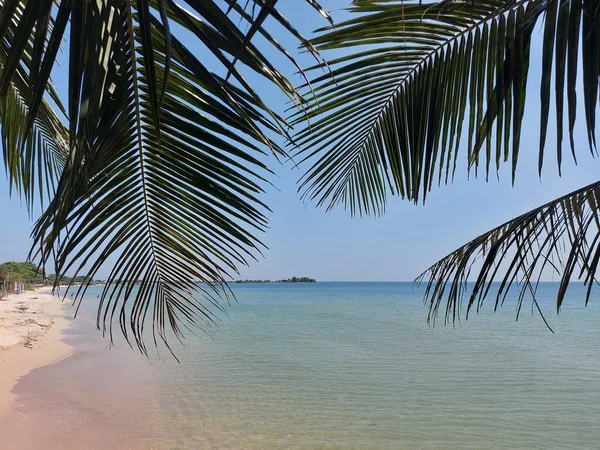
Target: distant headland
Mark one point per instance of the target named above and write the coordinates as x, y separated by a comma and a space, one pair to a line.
288, 280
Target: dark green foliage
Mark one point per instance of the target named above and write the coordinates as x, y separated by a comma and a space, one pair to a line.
562, 235
157, 160
72, 280
423, 77
288, 280
297, 280
21, 272
420, 82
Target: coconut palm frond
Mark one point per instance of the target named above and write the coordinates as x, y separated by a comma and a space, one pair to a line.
35, 144
561, 237
164, 157
424, 77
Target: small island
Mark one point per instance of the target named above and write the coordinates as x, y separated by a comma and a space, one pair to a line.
288, 280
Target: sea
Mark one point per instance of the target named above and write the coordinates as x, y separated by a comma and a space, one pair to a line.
328, 365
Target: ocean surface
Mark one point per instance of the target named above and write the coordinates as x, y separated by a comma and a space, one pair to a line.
330, 365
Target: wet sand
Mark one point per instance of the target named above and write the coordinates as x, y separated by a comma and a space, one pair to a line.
96, 398
31, 326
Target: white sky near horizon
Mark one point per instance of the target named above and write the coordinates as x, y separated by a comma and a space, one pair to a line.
307, 241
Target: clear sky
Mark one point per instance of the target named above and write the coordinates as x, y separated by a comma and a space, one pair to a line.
306, 241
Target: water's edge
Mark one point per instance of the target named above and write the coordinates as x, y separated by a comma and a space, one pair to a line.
332, 365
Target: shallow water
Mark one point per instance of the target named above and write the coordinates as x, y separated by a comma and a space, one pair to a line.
335, 365
95, 399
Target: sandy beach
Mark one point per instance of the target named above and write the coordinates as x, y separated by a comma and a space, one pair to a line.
70, 390
31, 326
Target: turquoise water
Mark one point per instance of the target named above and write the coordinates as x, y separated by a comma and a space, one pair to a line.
355, 365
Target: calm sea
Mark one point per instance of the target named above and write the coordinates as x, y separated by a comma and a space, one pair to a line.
337, 365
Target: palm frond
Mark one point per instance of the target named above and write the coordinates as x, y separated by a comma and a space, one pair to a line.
34, 143
424, 77
165, 157
560, 237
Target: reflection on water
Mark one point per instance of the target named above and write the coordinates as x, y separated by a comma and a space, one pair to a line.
339, 365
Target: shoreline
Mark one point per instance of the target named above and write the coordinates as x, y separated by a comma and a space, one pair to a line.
31, 331
92, 397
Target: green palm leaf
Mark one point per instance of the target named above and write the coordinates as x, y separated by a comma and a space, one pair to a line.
34, 150
163, 159
562, 237
425, 77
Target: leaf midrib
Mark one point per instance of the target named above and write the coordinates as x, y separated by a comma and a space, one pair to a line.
139, 129
500, 11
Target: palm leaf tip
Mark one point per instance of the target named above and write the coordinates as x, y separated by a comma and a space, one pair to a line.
561, 237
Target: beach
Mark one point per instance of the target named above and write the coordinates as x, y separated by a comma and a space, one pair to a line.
62, 383
324, 365
31, 327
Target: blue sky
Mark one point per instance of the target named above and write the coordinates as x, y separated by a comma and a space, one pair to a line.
306, 241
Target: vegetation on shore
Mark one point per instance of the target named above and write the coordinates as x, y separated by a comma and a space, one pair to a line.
287, 280
16, 276
25, 275
20, 272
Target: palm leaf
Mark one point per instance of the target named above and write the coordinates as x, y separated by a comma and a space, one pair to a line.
164, 159
34, 150
562, 237
425, 77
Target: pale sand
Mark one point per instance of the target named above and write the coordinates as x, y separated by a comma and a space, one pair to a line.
31, 326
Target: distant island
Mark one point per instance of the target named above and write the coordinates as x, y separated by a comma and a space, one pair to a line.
289, 280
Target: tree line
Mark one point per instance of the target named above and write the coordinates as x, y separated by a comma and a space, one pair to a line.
17, 276
287, 280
